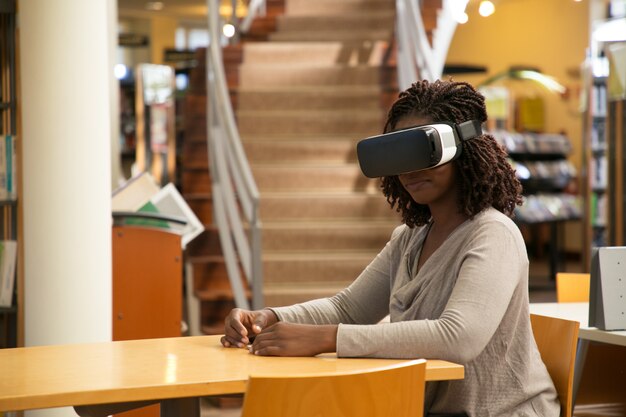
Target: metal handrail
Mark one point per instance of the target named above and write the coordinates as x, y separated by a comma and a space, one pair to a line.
416, 58
255, 8
234, 191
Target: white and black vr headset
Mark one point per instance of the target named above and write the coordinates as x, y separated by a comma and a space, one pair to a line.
415, 148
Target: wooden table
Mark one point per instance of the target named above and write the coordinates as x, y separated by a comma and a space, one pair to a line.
155, 369
579, 312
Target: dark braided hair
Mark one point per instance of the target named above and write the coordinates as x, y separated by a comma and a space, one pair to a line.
485, 177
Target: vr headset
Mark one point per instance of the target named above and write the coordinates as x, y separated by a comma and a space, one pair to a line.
415, 148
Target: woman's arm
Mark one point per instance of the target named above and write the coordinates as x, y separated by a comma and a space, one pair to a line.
310, 328
491, 271
365, 301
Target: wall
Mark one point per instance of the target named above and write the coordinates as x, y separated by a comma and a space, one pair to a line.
549, 35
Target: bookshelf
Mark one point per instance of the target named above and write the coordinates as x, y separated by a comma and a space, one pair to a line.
8, 129
616, 138
596, 158
542, 166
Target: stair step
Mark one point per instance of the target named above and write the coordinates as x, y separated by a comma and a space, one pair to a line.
283, 270
333, 7
307, 75
331, 35
306, 236
317, 206
352, 22
285, 295
346, 122
317, 54
309, 99
301, 150
311, 177
326, 235
266, 150
276, 206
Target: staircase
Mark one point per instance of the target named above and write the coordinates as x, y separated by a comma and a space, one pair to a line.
303, 99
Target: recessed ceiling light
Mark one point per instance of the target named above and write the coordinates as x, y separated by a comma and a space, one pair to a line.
486, 8
154, 5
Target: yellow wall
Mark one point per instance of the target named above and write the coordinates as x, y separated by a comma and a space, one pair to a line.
551, 35
162, 36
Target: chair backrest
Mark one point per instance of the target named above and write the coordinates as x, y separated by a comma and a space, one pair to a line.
396, 390
572, 287
557, 340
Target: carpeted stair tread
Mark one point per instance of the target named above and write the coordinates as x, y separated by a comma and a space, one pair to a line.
301, 150
309, 99
334, 7
309, 75
317, 54
347, 35
383, 20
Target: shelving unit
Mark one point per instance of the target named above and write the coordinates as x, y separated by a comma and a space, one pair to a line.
8, 126
541, 164
617, 191
596, 154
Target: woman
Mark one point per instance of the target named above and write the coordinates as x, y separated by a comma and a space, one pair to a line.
453, 278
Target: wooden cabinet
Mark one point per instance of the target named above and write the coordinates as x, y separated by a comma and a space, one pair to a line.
147, 283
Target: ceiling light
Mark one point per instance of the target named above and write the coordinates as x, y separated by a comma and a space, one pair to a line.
120, 71
154, 6
228, 30
486, 8
462, 18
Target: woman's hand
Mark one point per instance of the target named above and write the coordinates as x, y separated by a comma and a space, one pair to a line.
241, 326
289, 339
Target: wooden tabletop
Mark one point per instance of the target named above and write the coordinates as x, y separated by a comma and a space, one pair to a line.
97, 373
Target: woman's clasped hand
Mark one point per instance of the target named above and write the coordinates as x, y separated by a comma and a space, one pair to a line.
263, 334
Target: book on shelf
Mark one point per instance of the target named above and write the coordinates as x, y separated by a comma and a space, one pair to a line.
8, 258
7, 168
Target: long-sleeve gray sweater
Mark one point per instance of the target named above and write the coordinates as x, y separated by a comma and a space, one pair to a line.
467, 304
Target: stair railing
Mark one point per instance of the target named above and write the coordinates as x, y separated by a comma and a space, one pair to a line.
234, 190
255, 8
416, 58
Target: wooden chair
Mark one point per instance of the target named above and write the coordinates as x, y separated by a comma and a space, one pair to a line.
396, 390
572, 287
556, 340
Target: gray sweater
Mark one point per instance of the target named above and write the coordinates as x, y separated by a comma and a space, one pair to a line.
467, 304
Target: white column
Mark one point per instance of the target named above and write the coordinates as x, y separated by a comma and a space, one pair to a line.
67, 84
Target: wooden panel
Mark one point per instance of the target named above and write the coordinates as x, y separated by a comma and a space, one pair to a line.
147, 283
391, 391
556, 340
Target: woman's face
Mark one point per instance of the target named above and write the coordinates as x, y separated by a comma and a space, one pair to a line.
429, 186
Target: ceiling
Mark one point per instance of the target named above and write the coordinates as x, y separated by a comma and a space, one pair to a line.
181, 9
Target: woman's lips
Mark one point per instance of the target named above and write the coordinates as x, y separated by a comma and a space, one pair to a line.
414, 185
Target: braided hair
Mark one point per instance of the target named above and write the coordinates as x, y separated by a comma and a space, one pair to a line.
485, 177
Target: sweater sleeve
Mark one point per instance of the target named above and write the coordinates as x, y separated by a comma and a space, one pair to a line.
490, 271
365, 301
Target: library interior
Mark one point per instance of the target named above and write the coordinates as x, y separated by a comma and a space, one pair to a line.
165, 162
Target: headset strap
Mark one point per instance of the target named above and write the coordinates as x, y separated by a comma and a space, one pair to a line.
468, 130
